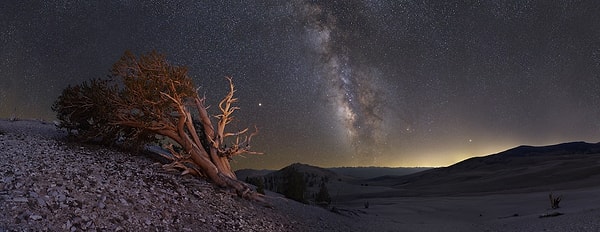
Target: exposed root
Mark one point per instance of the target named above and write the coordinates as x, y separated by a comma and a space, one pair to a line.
243, 190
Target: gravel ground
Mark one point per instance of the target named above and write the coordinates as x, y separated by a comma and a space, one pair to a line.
49, 184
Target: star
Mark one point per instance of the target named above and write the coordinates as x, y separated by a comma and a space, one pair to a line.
347, 82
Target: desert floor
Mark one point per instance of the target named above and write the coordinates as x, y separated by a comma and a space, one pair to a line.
490, 212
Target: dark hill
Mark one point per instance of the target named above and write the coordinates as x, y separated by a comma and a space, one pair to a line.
372, 172
242, 174
312, 176
297, 181
522, 168
558, 149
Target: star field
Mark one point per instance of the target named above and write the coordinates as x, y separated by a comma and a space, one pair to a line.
336, 83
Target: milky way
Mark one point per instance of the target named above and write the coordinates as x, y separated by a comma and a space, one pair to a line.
354, 88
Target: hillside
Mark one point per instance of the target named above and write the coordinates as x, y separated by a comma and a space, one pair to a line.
50, 184
351, 172
523, 168
242, 174
299, 181
372, 172
335, 179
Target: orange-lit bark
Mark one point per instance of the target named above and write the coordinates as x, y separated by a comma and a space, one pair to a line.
158, 97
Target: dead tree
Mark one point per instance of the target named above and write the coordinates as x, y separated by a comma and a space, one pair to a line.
148, 96
554, 201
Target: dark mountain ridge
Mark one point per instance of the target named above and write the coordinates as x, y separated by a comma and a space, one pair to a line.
557, 149
297, 181
349, 172
523, 167
372, 172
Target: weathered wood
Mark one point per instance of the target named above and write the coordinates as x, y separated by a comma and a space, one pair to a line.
150, 95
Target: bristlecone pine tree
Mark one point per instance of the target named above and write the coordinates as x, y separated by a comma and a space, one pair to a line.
146, 98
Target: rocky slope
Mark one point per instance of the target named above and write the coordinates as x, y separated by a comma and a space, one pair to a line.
49, 184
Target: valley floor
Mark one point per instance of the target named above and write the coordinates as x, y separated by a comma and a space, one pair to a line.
580, 209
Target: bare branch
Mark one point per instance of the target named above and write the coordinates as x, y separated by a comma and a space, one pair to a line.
154, 97
240, 147
226, 110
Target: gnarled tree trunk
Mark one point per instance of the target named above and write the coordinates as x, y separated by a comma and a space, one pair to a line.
150, 96
213, 163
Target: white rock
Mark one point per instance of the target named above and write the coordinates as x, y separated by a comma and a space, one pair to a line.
20, 199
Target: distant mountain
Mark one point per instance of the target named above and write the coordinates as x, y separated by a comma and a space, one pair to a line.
372, 172
297, 181
308, 169
313, 176
303, 182
558, 149
525, 167
349, 172
242, 174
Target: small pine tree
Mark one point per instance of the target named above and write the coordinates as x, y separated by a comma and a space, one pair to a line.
260, 186
295, 186
258, 182
323, 195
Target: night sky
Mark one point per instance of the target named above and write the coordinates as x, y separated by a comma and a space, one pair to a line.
335, 83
